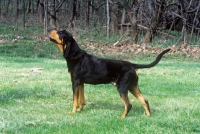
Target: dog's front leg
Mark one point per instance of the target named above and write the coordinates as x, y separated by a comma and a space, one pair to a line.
75, 88
75, 100
81, 97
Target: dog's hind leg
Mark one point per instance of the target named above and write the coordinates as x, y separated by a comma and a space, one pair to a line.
123, 83
127, 105
136, 92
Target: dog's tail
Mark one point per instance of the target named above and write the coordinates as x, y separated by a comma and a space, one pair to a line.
139, 66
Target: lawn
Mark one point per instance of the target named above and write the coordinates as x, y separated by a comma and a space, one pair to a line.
36, 96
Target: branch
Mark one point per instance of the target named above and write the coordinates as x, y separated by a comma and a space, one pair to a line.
60, 4
96, 8
125, 6
191, 11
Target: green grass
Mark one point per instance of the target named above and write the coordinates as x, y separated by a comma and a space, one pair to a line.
33, 102
25, 43
39, 101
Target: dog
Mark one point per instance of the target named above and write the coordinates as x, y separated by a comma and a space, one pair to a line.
87, 68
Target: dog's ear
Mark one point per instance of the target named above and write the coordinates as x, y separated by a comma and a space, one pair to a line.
67, 41
67, 48
66, 35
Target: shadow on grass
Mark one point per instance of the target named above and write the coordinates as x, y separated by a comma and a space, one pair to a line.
11, 94
118, 108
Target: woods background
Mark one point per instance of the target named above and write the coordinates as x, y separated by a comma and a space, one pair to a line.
134, 21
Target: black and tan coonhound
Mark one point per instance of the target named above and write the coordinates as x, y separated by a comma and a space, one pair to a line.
86, 68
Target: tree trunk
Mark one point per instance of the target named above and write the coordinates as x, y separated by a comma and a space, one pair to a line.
87, 14
45, 16
134, 30
41, 11
193, 24
32, 7
53, 14
113, 18
0, 10
73, 14
133, 19
23, 8
108, 18
147, 37
4, 8
184, 19
122, 22
153, 23
28, 7
15, 10
151, 31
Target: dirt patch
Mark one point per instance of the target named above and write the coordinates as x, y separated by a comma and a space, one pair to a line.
26, 71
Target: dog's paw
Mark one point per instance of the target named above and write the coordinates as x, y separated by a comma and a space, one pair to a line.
122, 116
79, 109
72, 112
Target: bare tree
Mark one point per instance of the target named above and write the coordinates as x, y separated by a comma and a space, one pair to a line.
114, 17
23, 10
154, 17
15, 10
132, 14
141, 18
108, 18
4, 9
98, 8
53, 14
87, 12
30, 7
45, 16
0, 10
195, 21
122, 22
40, 5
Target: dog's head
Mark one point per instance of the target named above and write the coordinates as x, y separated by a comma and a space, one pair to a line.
62, 38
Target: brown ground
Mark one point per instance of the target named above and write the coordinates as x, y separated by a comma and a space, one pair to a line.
136, 49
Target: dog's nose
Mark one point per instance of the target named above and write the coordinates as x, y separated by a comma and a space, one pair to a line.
49, 30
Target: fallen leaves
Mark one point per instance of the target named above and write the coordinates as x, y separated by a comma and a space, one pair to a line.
118, 49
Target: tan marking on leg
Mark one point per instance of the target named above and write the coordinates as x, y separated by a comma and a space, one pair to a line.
75, 101
127, 105
136, 92
81, 98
